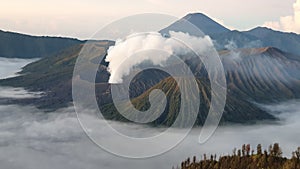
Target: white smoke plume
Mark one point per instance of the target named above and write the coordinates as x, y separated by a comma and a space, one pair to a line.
124, 50
235, 51
288, 23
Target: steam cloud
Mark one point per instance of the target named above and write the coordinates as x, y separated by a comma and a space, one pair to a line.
288, 23
124, 50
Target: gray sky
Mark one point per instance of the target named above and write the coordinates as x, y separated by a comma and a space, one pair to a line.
81, 18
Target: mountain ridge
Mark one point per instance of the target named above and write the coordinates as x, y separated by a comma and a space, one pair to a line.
38, 36
222, 36
288, 42
29, 46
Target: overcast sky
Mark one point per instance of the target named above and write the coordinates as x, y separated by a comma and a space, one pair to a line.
81, 18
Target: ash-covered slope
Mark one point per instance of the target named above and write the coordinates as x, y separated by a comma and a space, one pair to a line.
262, 74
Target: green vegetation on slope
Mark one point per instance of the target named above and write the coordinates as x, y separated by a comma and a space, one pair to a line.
247, 158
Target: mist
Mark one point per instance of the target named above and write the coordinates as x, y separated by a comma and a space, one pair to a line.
9, 67
32, 139
18, 93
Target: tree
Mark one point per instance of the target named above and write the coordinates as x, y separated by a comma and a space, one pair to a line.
296, 157
182, 165
248, 149
194, 159
270, 149
243, 149
262, 161
234, 151
259, 149
297, 153
277, 152
239, 153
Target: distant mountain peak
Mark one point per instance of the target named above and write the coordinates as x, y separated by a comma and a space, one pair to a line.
201, 21
205, 23
261, 28
196, 14
267, 29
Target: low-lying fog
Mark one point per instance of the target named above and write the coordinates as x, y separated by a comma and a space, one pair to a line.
32, 139
9, 67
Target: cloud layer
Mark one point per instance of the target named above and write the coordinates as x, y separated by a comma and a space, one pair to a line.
32, 139
8, 67
288, 23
